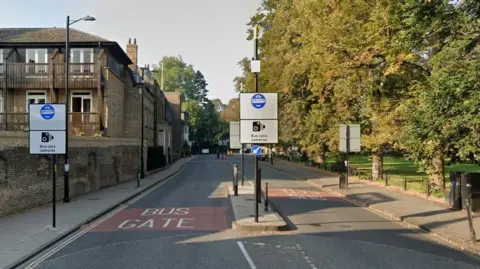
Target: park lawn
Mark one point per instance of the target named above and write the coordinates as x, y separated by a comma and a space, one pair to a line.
398, 168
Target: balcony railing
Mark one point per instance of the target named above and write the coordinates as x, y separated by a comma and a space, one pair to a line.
35, 75
80, 124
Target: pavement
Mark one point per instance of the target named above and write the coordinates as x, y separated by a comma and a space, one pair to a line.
26, 232
186, 222
441, 222
243, 204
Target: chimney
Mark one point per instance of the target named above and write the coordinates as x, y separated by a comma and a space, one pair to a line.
132, 52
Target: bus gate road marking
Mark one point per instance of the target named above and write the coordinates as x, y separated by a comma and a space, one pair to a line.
166, 218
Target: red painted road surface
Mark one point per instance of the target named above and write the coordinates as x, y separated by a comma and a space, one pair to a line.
302, 194
166, 218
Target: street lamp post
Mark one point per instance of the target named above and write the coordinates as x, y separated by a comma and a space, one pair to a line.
66, 175
142, 172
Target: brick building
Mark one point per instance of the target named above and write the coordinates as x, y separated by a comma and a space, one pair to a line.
104, 84
106, 88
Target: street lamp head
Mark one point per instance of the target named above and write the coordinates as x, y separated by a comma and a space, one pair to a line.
88, 18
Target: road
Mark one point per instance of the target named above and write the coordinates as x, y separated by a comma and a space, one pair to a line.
185, 223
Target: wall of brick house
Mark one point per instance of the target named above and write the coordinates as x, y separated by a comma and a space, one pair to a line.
96, 163
174, 99
132, 116
114, 104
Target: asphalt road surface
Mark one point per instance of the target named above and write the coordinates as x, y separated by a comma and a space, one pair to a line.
185, 223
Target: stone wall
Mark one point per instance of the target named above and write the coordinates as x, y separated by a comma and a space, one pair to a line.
96, 163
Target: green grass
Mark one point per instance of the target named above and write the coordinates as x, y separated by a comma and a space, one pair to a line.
398, 168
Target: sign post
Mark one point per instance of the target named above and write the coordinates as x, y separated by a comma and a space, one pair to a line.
349, 142
47, 135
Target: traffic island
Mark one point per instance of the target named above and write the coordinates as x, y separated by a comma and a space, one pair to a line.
244, 212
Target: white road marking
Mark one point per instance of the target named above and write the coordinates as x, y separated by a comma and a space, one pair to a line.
95, 224
73, 238
305, 256
247, 257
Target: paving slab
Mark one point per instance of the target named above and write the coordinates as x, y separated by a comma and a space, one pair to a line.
244, 212
28, 232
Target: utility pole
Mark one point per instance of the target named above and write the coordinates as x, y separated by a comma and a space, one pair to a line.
255, 164
241, 145
66, 174
161, 83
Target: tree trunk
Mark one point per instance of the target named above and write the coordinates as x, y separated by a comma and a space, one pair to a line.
377, 165
437, 171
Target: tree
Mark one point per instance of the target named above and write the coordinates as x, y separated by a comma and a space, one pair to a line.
177, 75
404, 70
217, 103
199, 91
231, 111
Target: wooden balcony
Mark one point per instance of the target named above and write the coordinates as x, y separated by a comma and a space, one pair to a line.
44, 76
80, 124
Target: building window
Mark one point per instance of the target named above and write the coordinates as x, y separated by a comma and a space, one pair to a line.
81, 61
35, 97
81, 109
81, 102
37, 62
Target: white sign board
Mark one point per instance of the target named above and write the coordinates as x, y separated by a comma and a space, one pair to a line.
259, 118
47, 128
235, 135
48, 117
259, 131
255, 66
355, 140
47, 142
258, 106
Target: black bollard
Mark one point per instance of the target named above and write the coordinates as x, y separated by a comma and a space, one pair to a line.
266, 196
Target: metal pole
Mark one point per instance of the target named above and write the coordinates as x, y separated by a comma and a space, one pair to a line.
271, 154
255, 169
162, 78
142, 172
266, 196
347, 151
259, 186
242, 163
235, 179
54, 189
66, 175
468, 203
257, 181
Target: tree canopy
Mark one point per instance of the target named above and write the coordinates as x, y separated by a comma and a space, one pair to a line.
206, 126
406, 71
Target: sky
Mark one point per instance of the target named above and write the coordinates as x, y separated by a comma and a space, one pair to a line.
209, 34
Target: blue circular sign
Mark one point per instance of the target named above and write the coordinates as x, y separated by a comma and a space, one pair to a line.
257, 150
47, 112
258, 101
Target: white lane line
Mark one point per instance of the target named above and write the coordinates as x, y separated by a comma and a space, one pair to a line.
96, 223
245, 253
73, 238
305, 256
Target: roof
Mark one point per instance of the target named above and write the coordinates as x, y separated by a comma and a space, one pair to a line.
173, 97
45, 35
